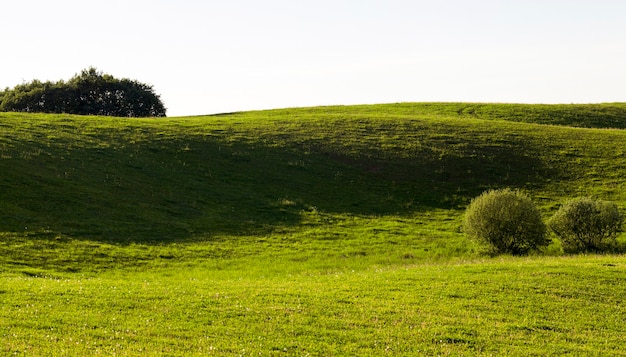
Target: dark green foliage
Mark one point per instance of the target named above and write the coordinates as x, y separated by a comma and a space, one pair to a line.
507, 220
587, 224
89, 93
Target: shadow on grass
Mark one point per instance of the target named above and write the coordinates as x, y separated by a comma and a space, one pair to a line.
167, 190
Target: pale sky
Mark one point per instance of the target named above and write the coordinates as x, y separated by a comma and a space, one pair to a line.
210, 56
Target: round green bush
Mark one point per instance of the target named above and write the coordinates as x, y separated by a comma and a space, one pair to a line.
507, 220
586, 224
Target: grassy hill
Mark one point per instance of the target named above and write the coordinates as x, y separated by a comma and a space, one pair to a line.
300, 195
175, 178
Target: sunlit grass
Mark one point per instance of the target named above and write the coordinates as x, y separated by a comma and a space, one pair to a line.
507, 306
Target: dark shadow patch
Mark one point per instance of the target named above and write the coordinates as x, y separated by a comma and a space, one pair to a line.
174, 188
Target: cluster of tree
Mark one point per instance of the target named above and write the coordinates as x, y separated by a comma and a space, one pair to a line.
509, 222
89, 93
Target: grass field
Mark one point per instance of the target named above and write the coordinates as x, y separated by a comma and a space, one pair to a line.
309, 231
555, 306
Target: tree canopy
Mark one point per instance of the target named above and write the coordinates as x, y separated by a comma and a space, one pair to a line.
89, 93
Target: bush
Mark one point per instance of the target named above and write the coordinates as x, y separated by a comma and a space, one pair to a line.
507, 220
89, 93
586, 224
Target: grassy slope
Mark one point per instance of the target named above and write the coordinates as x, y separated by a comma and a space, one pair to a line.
518, 307
297, 196
158, 179
610, 115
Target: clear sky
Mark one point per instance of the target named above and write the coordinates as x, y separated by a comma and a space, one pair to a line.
210, 56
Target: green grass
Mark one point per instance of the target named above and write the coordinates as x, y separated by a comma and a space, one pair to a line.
136, 179
321, 231
555, 306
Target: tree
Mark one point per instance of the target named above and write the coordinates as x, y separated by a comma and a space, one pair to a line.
89, 93
586, 224
506, 220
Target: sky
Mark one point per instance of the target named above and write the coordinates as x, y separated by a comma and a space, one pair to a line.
210, 56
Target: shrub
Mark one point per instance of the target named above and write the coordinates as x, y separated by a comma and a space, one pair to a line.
507, 220
89, 93
586, 224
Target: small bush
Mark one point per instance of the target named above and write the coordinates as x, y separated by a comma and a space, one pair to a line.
507, 220
586, 224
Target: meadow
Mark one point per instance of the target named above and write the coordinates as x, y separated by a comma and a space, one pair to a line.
306, 231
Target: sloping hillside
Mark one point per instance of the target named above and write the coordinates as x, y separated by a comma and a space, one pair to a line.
606, 115
128, 180
321, 231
